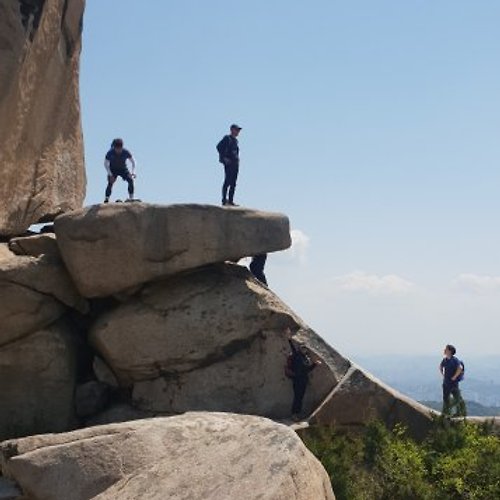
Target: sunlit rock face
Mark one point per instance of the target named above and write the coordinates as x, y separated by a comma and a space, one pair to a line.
41, 147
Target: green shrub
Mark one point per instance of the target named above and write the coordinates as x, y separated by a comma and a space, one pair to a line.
464, 461
457, 461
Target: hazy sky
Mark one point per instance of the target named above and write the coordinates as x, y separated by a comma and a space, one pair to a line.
373, 124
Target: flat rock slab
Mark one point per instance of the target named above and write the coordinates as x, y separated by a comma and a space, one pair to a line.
39, 244
196, 456
115, 247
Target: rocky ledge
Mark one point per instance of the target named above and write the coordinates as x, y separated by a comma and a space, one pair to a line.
209, 456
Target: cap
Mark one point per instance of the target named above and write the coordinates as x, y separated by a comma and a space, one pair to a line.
235, 126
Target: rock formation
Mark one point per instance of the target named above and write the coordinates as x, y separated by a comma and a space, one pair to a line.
41, 150
196, 456
35, 292
165, 326
134, 310
111, 248
174, 328
38, 358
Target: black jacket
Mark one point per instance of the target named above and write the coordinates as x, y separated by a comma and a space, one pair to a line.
228, 148
301, 363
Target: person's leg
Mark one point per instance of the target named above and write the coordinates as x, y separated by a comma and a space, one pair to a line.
459, 402
225, 185
446, 399
257, 267
299, 390
232, 182
130, 182
127, 177
109, 188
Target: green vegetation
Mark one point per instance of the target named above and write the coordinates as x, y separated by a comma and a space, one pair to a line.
457, 461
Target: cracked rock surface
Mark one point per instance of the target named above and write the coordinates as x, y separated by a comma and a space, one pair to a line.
211, 340
35, 292
37, 377
41, 146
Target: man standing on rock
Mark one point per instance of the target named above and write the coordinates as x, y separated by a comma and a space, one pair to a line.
299, 365
229, 156
115, 164
451, 369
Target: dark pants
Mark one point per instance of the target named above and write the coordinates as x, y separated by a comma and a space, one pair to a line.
257, 267
125, 175
299, 390
231, 175
451, 389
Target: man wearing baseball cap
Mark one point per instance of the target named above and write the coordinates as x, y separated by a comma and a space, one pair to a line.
229, 156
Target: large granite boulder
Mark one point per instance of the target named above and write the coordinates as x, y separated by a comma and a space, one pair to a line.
200, 456
35, 292
212, 340
114, 247
187, 322
37, 381
41, 150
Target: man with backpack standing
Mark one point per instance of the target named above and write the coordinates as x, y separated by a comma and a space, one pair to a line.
298, 367
229, 156
452, 370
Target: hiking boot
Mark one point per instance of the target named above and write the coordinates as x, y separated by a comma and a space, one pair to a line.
106, 200
224, 203
232, 204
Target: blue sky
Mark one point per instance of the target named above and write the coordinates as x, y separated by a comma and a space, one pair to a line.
373, 125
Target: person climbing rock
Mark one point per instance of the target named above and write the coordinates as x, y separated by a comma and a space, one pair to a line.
257, 267
229, 156
452, 369
115, 164
299, 366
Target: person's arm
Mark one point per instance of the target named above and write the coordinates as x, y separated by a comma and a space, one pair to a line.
440, 368
222, 148
288, 334
133, 162
457, 372
107, 166
314, 363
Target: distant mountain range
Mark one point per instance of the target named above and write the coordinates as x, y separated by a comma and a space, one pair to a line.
473, 409
418, 377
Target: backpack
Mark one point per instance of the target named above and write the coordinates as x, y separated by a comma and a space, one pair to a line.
461, 376
222, 147
289, 366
